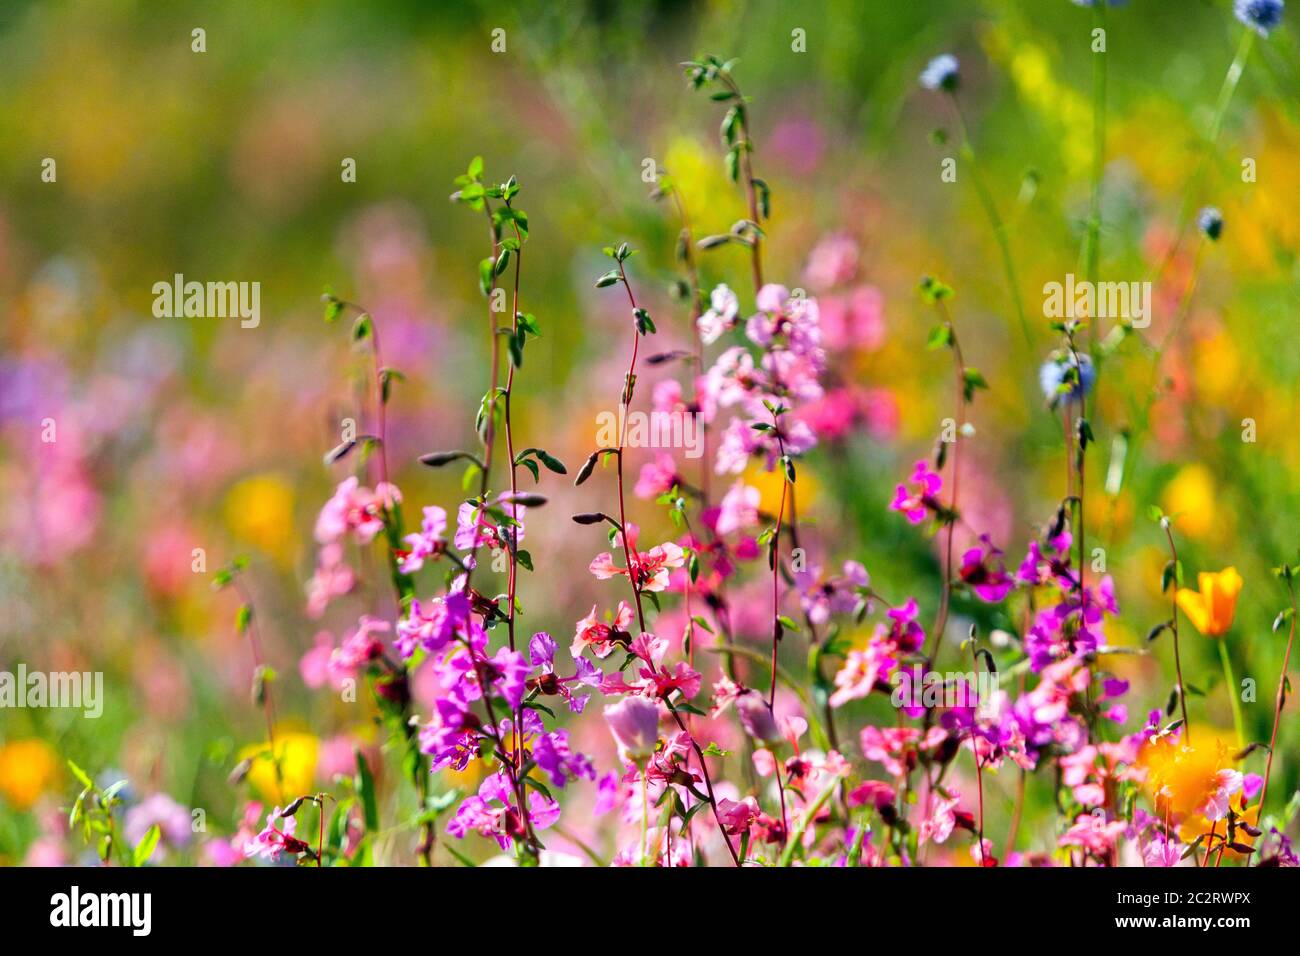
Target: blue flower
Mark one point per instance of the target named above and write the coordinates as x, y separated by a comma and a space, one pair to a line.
941, 73
1210, 221
1260, 15
1052, 377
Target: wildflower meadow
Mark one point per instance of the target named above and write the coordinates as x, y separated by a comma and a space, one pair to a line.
858, 435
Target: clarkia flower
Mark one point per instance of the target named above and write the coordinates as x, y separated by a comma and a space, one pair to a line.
649, 568
602, 638
923, 496
428, 543
982, 569
272, 839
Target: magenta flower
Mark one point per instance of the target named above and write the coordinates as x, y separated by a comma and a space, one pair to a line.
432, 625
982, 568
736, 816
428, 543
922, 498
272, 840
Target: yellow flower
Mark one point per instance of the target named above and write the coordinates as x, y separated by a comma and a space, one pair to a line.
1212, 608
297, 753
1191, 496
259, 510
27, 768
1181, 777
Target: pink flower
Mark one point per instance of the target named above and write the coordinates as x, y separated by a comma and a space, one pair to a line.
314, 666
923, 496
428, 543
600, 637
272, 840
634, 722
939, 825
877, 793
739, 509
822, 597
832, 262
332, 579
354, 509
721, 316
854, 321
756, 718
360, 647
1228, 783
657, 477
649, 569
491, 526
736, 816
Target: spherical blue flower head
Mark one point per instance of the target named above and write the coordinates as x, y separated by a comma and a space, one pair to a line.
1210, 221
1051, 377
941, 73
1260, 15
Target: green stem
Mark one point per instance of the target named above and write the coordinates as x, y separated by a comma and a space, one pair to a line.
1233, 694
796, 838
995, 221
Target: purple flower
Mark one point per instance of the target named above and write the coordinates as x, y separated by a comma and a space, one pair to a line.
553, 755
432, 626
634, 722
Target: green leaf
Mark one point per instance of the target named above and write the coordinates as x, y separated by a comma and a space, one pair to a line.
940, 337
144, 849
81, 776
365, 785
608, 279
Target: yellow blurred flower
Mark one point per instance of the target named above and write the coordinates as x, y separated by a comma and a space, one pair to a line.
1212, 608
27, 769
297, 755
259, 510
769, 484
1182, 777
1191, 497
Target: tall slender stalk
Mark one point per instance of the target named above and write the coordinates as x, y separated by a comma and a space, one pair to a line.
995, 220
1288, 575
